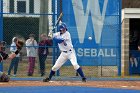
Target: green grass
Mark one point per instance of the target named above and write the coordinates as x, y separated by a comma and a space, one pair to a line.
65, 71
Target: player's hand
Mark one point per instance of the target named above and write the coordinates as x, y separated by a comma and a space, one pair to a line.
13, 55
50, 34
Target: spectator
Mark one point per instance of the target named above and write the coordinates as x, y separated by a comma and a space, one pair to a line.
43, 52
31, 47
14, 61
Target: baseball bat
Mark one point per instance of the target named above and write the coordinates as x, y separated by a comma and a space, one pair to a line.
57, 22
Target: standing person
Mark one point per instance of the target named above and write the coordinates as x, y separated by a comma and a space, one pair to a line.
14, 61
43, 52
31, 47
63, 39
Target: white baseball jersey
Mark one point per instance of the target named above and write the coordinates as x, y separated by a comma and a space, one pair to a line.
67, 51
67, 44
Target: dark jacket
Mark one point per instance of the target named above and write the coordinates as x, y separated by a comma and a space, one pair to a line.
3, 56
43, 49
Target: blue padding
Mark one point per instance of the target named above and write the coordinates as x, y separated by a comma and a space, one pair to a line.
75, 79
1, 66
63, 89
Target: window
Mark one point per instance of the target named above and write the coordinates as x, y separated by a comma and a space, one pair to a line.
11, 4
21, 6
31, 5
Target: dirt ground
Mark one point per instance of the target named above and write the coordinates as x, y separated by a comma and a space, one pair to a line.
102, 84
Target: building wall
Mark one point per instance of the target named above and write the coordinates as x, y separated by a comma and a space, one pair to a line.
127, 14
125, 47
130, 3
6, 6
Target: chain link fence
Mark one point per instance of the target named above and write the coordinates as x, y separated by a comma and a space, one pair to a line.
24, 17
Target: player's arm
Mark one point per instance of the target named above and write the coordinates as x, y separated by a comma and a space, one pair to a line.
19, 46
3, 56
58, 39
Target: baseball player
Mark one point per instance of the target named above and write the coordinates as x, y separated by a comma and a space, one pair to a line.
63, 39
3, 56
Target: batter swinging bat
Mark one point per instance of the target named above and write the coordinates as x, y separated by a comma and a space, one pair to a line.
57, 22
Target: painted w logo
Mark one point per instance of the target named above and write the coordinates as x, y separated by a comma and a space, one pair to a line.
97, 17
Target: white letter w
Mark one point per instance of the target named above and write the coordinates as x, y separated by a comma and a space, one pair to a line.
97, 17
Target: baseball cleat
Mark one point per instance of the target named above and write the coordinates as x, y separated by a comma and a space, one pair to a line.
46, 80
84, 79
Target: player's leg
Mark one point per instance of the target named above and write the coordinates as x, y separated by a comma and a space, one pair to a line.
11, 66
73, 60
60, 61
16, 66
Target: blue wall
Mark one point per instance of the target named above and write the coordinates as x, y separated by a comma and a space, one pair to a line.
99, 19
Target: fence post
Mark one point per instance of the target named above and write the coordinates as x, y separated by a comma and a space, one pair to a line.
119, 64
1, 66
1, 19
43, 20
1, 28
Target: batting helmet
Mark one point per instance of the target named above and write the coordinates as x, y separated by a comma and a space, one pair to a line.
62, 26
